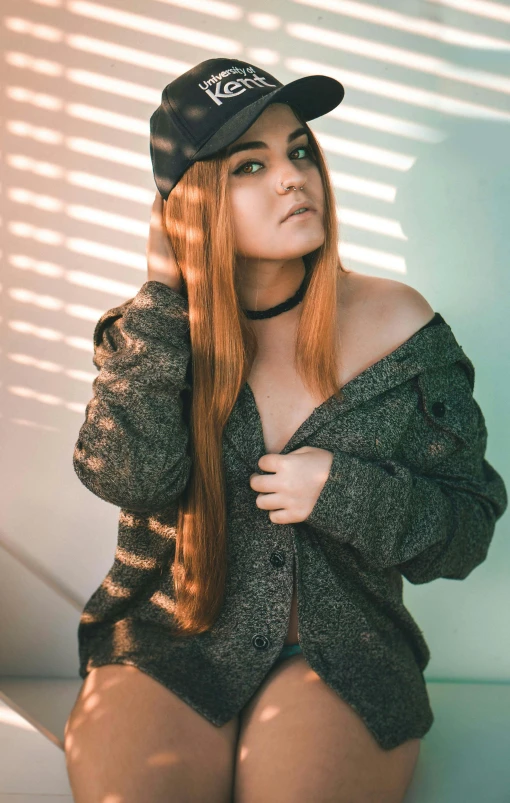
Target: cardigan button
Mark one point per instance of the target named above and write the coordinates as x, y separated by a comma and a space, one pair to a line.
438, 409
260, 642
277, 559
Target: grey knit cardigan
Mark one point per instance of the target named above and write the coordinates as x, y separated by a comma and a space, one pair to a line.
409, 493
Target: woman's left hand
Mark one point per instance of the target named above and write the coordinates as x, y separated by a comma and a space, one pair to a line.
291, 491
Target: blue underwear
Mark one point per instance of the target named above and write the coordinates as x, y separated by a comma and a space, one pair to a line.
287, 651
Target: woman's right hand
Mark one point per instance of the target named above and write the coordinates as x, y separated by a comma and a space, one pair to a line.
161, 262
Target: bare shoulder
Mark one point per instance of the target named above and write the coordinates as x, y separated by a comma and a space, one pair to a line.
376, 316
394, 307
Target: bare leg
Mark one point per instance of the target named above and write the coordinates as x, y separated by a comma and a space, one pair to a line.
299, 741
128, 739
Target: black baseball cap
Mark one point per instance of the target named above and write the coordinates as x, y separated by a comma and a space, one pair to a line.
210, 106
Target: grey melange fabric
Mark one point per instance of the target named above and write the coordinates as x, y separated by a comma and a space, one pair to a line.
409, 494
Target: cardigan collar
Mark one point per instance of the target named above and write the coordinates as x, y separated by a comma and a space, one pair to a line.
432, 346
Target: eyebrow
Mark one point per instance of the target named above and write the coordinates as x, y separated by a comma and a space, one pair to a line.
244, 146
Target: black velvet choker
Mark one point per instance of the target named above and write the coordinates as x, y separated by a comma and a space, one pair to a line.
291, 302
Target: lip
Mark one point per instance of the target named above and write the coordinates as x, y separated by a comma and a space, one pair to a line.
306, 214
296, 206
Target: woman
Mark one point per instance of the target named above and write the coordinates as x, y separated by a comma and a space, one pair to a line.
189, 691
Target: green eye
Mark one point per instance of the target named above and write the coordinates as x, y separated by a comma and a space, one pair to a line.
305, 148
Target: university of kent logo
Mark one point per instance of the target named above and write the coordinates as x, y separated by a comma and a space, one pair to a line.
231, 89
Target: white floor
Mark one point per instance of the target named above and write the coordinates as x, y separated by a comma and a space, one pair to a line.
32, 718
465, 757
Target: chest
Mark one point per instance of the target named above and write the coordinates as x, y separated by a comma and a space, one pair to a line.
283, 400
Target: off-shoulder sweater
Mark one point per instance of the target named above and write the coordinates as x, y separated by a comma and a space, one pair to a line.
409, 494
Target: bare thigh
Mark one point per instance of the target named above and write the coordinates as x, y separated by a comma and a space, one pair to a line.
299, 741
128, 739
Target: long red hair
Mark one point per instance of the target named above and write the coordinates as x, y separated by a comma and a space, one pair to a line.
199, 223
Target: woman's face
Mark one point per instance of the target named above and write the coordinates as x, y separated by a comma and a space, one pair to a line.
260, 203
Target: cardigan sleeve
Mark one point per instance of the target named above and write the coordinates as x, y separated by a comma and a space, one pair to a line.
433, 515
132, 449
